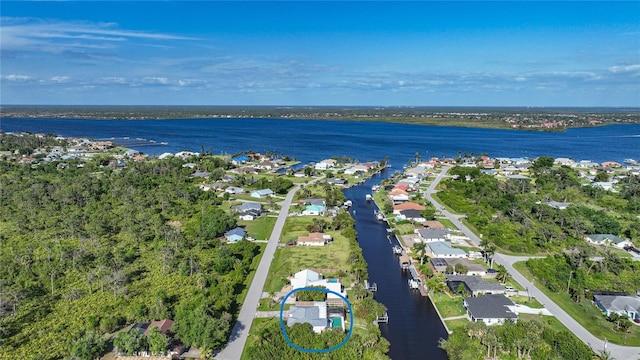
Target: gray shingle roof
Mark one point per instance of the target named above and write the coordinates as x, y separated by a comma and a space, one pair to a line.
619, 303
490, 307
475, 283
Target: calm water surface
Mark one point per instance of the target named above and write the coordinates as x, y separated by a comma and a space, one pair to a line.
414, 329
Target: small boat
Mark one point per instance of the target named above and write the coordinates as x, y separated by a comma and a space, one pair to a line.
375, 188
397, 250
368, 197
413, 284
630, 161
380, 216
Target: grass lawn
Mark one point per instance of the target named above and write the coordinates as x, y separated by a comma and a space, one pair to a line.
260, 228
587, 314
551, 321
447, 223
447, 306
290, 259
404, 229
296, 226
456, 325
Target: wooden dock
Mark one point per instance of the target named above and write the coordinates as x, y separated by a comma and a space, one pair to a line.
382, 319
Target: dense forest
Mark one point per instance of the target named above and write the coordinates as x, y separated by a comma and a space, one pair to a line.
513, 213
91, 246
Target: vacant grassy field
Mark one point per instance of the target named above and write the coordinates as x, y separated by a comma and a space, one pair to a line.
291, 259
260, 228
587, 314
448, 306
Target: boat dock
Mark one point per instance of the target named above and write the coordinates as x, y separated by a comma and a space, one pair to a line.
381, 319
370, 287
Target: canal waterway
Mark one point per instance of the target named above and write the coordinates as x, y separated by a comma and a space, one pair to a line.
414, 327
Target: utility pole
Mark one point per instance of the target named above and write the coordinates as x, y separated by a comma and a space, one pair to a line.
569, 282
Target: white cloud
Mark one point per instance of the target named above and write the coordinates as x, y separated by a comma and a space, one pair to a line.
17, 78
56, 35
153, 80
60, 79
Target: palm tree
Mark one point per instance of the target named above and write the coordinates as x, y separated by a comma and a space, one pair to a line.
603, 355
503, 274
421, 249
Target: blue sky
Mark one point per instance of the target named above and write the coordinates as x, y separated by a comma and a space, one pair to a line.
423, 53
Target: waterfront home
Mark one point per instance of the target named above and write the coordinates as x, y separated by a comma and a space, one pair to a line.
234, 235
315, 315
411, 215
407, 206
442, 249
326, 164
608, 239
314, 239
238, 160
564, 161
558, 205
432, 235
491, 309
314, 210
620, 304
474, 285
441, 264
310, 278
263, 193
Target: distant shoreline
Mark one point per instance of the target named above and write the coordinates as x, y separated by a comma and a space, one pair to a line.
512, 118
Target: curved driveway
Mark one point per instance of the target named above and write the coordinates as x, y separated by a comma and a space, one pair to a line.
617, 351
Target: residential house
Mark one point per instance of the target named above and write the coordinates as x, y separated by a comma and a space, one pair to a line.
234, 235
263, 193
234, 190
326, 164
186, 154
266, 165
440, 265
411, 215
608, 239
442, 249
238, 160
314, 210
214, 186
564, 161
338, 181
200, 174
619, 304
398, 195
315, 315
407, 206
310, 278
491, 309
314, 239
474, 285
431, 235
164, 326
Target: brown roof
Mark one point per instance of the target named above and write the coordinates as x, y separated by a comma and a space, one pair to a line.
163, 325
312, 237
433, 224
408, 206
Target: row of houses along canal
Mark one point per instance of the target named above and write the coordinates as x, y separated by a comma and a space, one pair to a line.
414, 327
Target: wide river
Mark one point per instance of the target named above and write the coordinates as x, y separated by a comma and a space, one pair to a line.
413, 328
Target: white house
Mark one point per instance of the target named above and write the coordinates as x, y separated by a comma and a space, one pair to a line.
441, 249
263, 193
326, 164
314, 239
310, 278
608, 239
315, 315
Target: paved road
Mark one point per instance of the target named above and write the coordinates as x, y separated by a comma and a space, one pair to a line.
240, 331
617, 351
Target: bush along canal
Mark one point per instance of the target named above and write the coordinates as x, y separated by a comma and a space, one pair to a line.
414, 327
